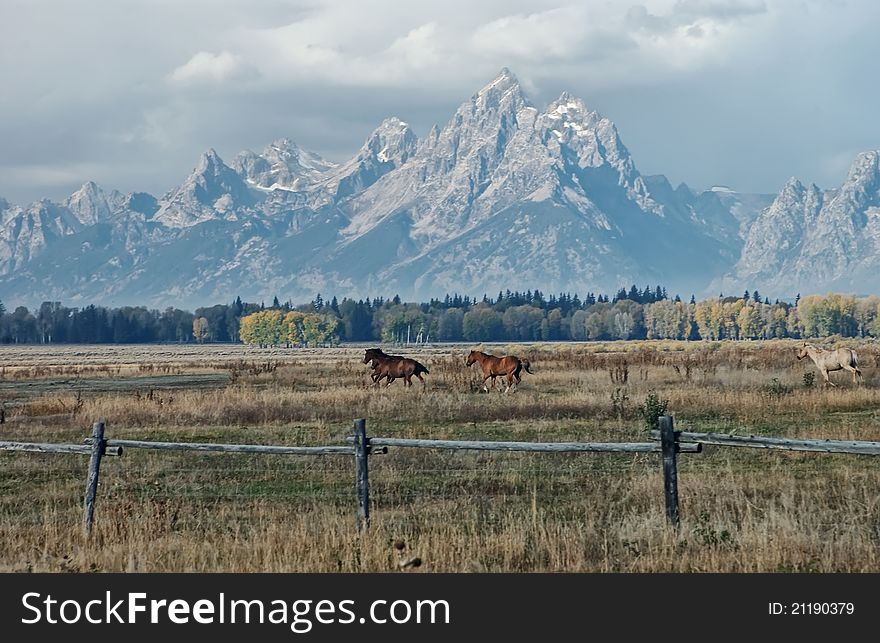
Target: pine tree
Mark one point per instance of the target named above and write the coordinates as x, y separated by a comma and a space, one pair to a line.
275, 303
633, 294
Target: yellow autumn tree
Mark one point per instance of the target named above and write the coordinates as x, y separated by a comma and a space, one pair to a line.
748, 321
292, 328
247, 329
319, 329
272, 328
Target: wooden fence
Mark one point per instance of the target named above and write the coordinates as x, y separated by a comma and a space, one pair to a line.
666, 441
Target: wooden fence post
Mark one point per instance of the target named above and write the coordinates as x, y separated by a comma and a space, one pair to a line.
669, 446
361, 451
98, 445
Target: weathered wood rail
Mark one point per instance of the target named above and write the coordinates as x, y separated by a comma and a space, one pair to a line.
532, 447
853, 447
666, 441
669, 448
42, 447
266, 449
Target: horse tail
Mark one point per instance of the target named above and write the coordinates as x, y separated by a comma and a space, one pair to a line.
855, 362
420, 368
526, 364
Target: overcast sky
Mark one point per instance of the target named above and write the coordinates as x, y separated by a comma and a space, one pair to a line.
129, 93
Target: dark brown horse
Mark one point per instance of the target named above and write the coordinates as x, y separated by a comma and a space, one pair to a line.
374, 357
509, 366
392, 367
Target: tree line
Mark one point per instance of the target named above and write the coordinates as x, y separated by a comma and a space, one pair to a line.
631, 313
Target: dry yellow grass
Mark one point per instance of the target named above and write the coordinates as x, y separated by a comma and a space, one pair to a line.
742, 510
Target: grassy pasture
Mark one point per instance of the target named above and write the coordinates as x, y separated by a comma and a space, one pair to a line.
742, 509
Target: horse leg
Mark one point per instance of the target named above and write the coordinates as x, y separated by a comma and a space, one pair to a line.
407, 379
486, 386
855, 372
827, 379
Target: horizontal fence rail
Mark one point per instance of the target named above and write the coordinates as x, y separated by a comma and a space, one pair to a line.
229, 448
360, 446
37, 447
539, 447
856, 447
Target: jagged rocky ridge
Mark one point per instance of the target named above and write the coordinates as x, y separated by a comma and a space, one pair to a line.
810, 240
504, 195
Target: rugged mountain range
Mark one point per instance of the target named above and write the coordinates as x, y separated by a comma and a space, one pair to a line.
811, 240
505, 195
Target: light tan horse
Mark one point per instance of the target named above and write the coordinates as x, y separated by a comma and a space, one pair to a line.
509, 366
834, 360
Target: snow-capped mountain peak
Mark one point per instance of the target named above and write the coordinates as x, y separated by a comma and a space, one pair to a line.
212, 190
503, 195
89, 204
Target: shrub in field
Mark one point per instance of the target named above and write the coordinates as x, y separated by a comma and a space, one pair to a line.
809, 376
652, 409
775, 389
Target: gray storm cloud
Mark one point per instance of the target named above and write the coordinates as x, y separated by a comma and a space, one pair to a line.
706, 91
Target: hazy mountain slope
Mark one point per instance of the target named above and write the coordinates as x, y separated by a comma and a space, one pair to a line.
809, 240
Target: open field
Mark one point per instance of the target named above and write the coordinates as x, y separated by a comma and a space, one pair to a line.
742, 509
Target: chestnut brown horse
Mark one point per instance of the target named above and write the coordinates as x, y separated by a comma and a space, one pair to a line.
509, 366
392, 367
374, 356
